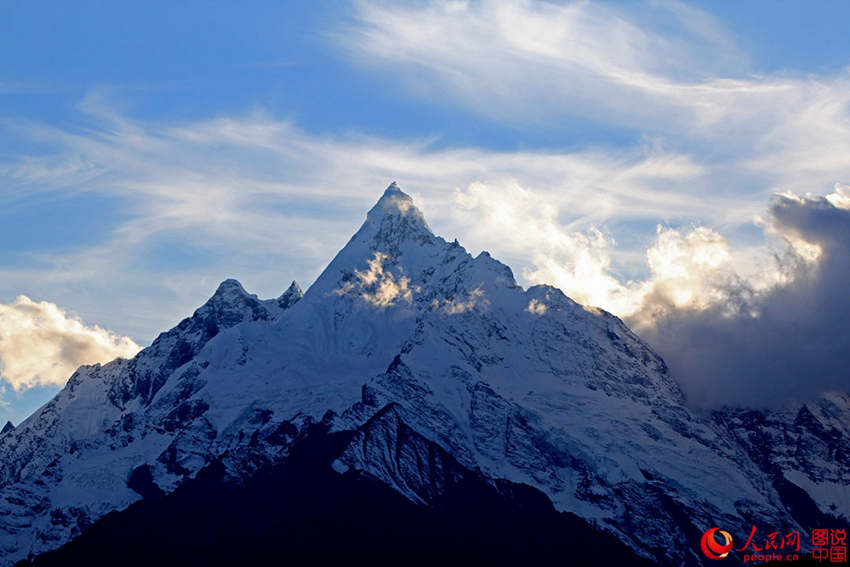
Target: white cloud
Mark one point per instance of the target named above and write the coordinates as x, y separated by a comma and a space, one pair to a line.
268, 202
462, 304
783, 342
520, 59
262, 200
379, 286
40, 344
688, 268
840, 197
536, 307
665, 68
742, 325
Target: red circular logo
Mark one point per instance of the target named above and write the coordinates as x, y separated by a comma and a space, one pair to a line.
711, 548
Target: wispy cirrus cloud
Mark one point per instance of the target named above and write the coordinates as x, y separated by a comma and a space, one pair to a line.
665, 69
524, 60
259, 196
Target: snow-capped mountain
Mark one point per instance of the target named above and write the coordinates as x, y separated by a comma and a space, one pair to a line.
430, 360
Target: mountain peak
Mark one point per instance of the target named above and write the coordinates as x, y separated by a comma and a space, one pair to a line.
229, 287
396, 203
231, 304
394, 228
291, 296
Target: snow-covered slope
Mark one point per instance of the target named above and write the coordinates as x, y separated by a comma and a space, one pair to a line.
522, 385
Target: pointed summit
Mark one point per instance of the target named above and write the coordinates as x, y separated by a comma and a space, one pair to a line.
395, 231
396, 203
394, 219
291, 296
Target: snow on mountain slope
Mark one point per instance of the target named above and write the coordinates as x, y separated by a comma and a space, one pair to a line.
522, 385
67, 464
807, 447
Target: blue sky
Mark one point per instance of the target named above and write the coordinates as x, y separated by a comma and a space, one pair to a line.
150, 150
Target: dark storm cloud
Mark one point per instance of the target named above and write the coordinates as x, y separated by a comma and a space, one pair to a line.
791, 343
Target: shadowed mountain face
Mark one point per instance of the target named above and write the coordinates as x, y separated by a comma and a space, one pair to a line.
440, 384
302, 510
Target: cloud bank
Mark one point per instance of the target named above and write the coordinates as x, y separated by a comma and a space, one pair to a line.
756, 326
765, 347
40, 344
